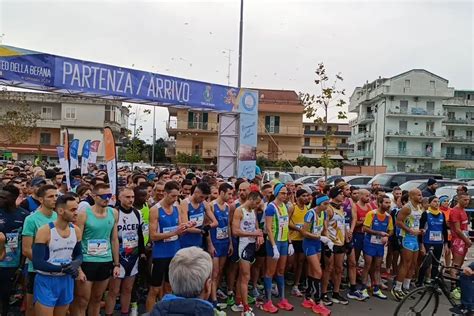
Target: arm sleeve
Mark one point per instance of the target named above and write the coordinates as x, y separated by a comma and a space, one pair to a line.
423, 220
77, 251
39, 263
445, 229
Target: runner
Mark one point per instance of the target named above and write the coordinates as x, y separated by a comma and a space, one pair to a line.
131, 247
408, 220
362, 208
436, 235
245, 226
220, 236
314, 231
378, 226
57, 256
31, 203
295, 235
158, 192
100, 249
334, 263
11, 226
186, 187
460, 243
278, 249
444, 207
165, 229
47, 195
196, 209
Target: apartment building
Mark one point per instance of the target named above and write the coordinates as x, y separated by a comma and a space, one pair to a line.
280, 129
84, 118
338, 142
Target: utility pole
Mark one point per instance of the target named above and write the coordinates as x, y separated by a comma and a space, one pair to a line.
228, 51
241, 34
154, 138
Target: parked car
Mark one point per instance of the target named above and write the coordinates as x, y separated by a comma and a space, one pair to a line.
422, 184
390, 180
308, 179
270, 175
295, 175
355, 180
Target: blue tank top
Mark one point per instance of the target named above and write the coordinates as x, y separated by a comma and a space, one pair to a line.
379, 226
197, 215
434, 229
220, 234
167, 248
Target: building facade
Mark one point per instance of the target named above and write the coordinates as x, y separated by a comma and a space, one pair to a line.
280, 129
313, 142
399, 121
84, 118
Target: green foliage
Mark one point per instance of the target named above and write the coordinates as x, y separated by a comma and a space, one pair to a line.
134, 150
308, 162
263, 162
187, 158
448, 171
283, 164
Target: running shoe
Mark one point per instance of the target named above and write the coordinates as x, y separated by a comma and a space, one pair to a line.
456, 293
221, 295
218, 312
254, 292
339, 299
230, 299
405, 291
134, 309
269, 307
385, 275
308, 303
326, 300
260, 287
250, 299
237, 308
321, 310
397, 294
295, 291
247, 313
285, 305
379, 294
356, 295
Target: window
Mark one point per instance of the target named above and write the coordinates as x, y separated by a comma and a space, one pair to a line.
306, 141
197, 120
108, 113
307, 128
451, 116
45, 138
70, 113
403, 126
343, 141
432, 84
430, 107
469, 135
272, 124
401, 166
402, 147
46, 113
403, 106
407, 83
450, 150
429, 128
450, 132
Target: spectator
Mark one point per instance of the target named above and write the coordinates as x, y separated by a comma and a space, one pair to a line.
430, 189
190, 278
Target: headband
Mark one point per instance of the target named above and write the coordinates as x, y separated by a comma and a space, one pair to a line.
277, 189
321, 199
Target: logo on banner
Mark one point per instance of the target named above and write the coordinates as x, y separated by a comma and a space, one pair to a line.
249, 101
207, 95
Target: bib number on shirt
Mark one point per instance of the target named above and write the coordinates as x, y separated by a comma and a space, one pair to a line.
282, 224
222, 233
130, 240
170, 230
436, 236
317, 230
12, 241
376, 240
198, 218
145, 229
97, 247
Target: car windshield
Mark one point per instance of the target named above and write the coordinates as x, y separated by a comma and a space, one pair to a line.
284, 178
407, 186
382, 179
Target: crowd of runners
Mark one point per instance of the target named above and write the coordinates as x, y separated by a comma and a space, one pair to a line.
88, 251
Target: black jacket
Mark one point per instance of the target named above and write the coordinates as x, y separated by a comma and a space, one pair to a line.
172, 305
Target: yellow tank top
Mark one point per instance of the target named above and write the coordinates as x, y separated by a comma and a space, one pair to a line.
298, 220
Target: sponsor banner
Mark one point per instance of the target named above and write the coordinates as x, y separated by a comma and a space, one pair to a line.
110, 159
74, 154
85, 156
64, 164
248, 109
94, 148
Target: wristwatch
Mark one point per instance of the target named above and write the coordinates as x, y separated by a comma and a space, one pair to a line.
116, 265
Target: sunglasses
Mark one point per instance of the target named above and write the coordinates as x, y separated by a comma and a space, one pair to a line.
104, 197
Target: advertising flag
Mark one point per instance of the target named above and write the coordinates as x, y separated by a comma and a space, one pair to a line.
74, 154
110, 159
66, 145
85, 156
64, 164
94, 148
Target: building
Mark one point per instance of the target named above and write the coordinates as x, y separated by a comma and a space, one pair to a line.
338, 146
399, 121
85, 118
457, 147
280, 130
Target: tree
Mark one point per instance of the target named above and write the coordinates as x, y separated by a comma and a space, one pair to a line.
17, 119
327, 97
134, 150
160, 155
187, 158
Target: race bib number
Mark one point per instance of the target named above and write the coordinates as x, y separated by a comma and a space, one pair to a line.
282, 224
170, 230
299, 226
198, 218
61, 261
435, 236
12, 241
222, 232
130, 240
375, 239
97, 247
146, 230
317, 230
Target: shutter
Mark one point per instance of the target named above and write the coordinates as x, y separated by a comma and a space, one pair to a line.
277, 124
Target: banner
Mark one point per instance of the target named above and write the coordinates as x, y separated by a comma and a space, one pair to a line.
66, 146
35, 70
64, 165
110, 159
94, 148
85, 157
248, 109
74, 154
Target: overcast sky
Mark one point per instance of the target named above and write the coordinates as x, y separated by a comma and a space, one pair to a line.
283, 40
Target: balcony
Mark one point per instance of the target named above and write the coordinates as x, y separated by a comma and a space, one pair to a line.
185, 126
361, 137
293, 131
459, 139
458, 101
48, 123
449, 156
418, 112
416, 154
363, 119
318, 146
332, 133
414, 134
344, 146
456, 121
360, 154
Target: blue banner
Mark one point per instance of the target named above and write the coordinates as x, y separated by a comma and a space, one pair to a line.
85, 156
248, 109
74, 154
34, 70
64, 164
